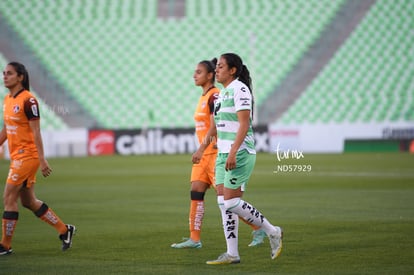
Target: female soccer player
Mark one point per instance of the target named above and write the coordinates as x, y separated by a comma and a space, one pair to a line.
22, 131
202, 173
236, 157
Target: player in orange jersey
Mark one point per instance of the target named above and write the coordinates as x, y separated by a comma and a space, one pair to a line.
22, 131
204, 159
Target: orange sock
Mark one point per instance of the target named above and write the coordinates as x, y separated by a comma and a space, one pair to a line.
47, 215
9, 222
196, 219
254, 227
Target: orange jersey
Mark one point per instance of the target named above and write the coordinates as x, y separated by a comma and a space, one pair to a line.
204, 110
18, 110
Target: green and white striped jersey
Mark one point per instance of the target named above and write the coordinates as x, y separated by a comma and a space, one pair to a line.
235, 97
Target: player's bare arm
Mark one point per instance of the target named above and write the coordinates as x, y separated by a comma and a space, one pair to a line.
210, 136
243, 117
3, 135
44, 165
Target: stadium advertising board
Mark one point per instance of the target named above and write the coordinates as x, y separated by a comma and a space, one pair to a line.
169, 141
101, 142
154, 141
335, 138
398, 133
94, 142
284, 139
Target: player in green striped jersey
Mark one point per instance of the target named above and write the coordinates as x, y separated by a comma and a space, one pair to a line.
236, 157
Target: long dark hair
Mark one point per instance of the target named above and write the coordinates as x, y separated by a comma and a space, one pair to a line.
210, 66
21, 70
242, 73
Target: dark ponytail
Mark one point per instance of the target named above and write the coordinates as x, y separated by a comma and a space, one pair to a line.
244, 77
242, 73
21, 70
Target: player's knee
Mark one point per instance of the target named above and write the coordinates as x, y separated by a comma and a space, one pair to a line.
9, 200
231, 203
27, 204
32, 204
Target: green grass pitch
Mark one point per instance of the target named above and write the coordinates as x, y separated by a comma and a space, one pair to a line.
352, 213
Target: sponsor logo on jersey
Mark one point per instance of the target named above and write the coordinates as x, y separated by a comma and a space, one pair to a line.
34, 110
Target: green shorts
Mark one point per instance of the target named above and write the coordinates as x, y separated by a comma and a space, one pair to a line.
239, 176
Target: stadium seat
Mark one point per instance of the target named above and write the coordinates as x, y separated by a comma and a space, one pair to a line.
370, 74
101, 49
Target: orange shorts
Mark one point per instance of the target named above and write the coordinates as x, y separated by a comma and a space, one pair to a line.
204, 170
21, 171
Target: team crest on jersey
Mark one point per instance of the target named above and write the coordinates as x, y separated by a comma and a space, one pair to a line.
16, 109
227, 95
203, 105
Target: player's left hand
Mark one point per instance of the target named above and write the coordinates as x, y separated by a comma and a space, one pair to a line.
231, 162
45, 168
197, 157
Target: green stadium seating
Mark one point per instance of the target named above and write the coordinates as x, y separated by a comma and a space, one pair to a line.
129, 68
370, 79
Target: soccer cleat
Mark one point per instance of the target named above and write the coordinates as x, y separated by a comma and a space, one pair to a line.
5, 251
276, 242
225, 259
258, 236
189, 243
67, 237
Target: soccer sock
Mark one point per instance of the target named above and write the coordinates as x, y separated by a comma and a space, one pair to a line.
9, 222
249, 213
196, 214
230, 228
47, 215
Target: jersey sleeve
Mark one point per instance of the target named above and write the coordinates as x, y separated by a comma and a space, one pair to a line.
211, 101
242, 98
31, 108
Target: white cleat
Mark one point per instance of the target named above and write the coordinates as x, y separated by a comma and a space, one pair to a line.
225, 259
276, 242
